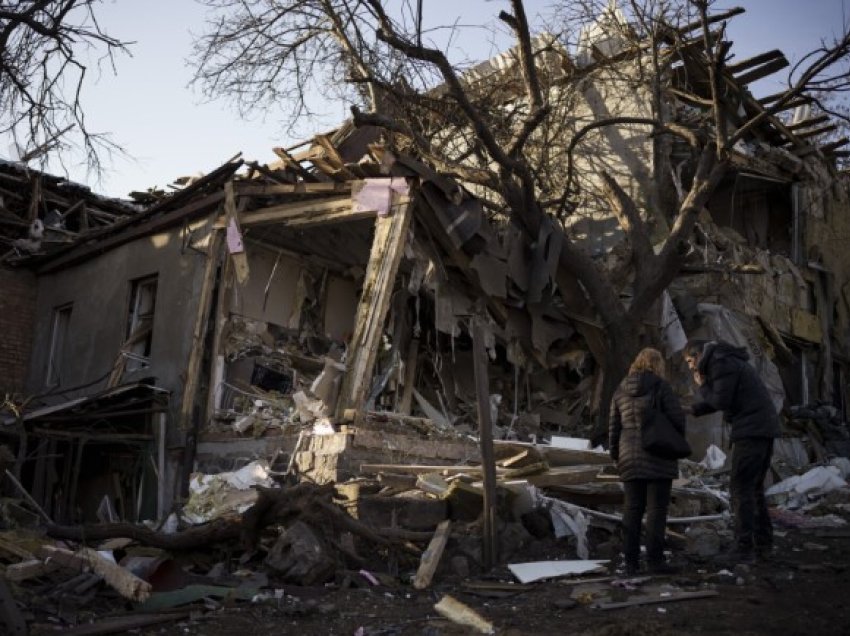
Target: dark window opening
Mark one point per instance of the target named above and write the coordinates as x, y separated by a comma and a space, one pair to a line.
58, 342
139, 333
760, 209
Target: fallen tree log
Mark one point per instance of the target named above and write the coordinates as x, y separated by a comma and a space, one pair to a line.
218, 531
313, 505
305, 502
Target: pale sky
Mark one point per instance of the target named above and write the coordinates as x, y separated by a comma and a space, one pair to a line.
169, 131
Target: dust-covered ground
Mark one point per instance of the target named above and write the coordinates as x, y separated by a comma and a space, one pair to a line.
804, 588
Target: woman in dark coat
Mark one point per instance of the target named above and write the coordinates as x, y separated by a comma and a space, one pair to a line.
647, 479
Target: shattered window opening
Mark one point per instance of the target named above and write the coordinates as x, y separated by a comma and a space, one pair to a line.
140, 322
58, 342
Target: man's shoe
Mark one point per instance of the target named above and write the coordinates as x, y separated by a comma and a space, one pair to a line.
662, 568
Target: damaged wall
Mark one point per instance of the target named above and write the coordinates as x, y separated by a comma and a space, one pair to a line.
95, 298
280, 272
99, 294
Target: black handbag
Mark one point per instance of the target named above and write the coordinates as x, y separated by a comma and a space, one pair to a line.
658, 435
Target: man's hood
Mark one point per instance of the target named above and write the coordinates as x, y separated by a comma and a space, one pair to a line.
717, 351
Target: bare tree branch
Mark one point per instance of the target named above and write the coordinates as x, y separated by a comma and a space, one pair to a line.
43, 45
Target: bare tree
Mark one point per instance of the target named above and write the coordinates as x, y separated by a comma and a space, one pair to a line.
45, 46
511, 129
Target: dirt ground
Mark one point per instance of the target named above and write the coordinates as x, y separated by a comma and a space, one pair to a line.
804, 588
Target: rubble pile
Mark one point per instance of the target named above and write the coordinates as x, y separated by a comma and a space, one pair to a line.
255, 534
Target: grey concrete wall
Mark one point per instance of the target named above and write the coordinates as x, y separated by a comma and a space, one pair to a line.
100, 292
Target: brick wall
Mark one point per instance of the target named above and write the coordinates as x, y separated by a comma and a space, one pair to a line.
17, 318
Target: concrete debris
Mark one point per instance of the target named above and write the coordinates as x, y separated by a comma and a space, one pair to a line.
798, 490
213, 496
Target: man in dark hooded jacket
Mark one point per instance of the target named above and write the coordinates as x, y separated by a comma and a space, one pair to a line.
730, 384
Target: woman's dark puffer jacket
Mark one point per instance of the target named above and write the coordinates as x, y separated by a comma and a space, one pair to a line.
628, 407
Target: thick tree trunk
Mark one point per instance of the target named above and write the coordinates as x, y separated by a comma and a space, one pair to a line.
623, 344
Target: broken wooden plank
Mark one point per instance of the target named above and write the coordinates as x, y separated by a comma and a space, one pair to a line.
462, 614
817, 131
290, 162
199, 330
122, 581
811, 121
756, 60
252, 190
830, 147
793, 103
762, 71
417, 469
384, 259
555, 456
432, 555
565, 476
651, 600
513, 460
524, 471
29, 569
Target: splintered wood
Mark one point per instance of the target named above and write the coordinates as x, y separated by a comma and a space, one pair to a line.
384, 259
122, 581
431, 556
462, 614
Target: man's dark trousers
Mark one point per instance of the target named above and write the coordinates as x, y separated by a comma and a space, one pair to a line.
750, 463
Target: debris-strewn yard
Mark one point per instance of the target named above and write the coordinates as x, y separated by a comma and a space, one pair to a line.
405, 552
801, 591
364, 388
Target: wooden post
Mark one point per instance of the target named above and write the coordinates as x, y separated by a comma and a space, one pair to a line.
222, 313
485, 432
409, 376
161, 432
199, 331
384, 259
239, 258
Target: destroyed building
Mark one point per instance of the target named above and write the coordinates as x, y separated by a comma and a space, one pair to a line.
349, 316
315, 310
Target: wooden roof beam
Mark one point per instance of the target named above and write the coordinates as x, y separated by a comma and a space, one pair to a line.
797, 101
712, 19
831, 147
756, 60
307, 213
811, 121
817, 131
762, 71
775, 97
